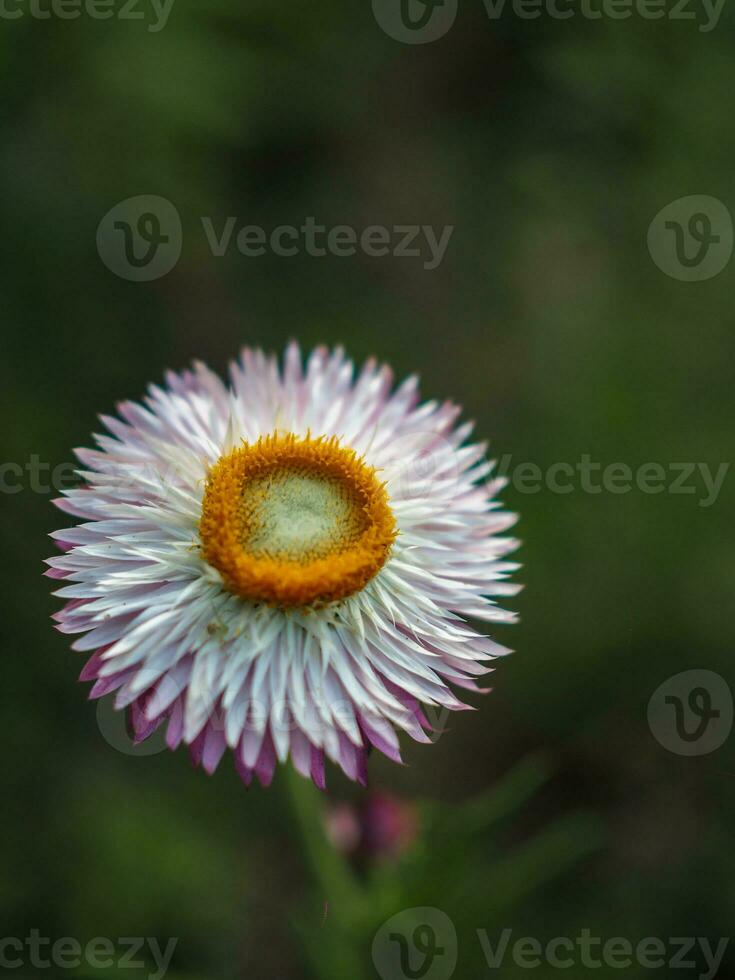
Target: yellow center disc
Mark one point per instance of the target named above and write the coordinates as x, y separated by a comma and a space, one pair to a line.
295, 521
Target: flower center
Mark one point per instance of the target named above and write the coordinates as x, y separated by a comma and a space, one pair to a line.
294, 521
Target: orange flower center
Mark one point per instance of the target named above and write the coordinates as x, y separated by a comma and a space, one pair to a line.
294, 521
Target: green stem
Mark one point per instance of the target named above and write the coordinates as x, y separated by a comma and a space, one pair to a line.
330, 870
339, 948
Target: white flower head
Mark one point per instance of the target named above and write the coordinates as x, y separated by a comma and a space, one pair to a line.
285, 565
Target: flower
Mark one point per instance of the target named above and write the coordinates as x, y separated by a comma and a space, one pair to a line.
390, 825
284, 565
381, 827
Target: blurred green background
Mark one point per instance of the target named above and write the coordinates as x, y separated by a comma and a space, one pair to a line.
549, 145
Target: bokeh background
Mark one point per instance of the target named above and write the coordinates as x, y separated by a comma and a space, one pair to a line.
549, 146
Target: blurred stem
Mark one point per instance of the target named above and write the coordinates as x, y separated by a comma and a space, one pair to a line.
332, 873
340, 951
